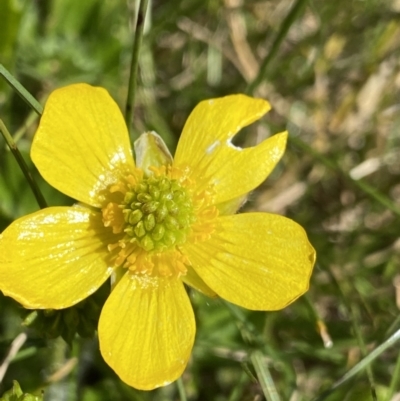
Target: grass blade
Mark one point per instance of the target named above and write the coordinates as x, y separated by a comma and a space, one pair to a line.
362, 364
25, 95
21, 162
264, 376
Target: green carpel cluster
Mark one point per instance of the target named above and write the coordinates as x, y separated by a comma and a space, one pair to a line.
158, 213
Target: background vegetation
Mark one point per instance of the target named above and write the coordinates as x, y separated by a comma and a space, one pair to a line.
331, 70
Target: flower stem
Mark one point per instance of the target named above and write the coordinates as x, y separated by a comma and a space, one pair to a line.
26, 96
135, 62
20, 160
57, 387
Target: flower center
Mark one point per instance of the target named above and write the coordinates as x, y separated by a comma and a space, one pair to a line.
158, 213
153, 216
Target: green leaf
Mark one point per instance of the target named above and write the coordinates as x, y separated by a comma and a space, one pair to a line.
16, 394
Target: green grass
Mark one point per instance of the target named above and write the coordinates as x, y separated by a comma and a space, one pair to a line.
331, 72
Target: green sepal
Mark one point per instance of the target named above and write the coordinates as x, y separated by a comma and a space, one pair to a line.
231, 206
150, 150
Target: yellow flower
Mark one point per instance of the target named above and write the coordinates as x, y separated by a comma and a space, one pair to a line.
152, 226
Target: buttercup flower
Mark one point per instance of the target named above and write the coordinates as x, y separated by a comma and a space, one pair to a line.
152, 224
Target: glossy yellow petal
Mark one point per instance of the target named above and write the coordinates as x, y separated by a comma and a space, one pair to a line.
55, 257
146, 330
206, 146
256, 260
192, 279
82, 143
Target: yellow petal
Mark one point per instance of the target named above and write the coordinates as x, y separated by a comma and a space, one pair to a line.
256, 260
55, 257
146, 330
193, 280
82, 143
206, 146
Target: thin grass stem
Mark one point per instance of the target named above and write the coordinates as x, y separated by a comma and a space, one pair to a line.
29, 121
393, 326
264, 376
129, 110
292, 16
355, 314
25, 95
395, 382
237, 392
253, 338
248, 331
23, 166
181, 389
